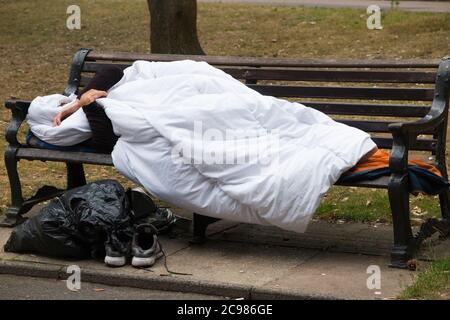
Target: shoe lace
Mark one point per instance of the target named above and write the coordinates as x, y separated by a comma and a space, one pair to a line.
165, 264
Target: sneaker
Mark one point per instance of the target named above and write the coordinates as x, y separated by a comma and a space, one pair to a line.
117, 247
145, 246
114, 258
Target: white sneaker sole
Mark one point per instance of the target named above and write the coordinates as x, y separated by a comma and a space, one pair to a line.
115, 261
145, 262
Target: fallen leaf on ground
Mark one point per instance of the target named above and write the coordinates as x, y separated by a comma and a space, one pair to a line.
412, 264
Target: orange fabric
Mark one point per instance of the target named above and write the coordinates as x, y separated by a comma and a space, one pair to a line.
380, 159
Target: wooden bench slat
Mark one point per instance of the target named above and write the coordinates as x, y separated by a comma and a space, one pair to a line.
379, 183
30, 153
364, 93
367, 125
95, 66
105, 159
388, 110
64, 156
370, 125
332, 75
268, 62
419, 145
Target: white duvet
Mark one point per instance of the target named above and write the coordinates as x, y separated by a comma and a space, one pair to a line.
201, 140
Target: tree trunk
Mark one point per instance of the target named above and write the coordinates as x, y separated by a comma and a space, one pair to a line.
173, 27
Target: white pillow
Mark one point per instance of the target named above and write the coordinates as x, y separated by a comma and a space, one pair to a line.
73, 130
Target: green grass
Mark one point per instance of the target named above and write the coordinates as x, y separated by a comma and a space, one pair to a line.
433, 283
371, 205
352, 204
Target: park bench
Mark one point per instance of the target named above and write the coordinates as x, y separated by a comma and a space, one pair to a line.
373, 95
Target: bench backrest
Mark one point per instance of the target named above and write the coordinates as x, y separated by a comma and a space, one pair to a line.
366, 94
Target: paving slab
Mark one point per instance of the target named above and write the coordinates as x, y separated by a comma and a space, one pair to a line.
344, 275
237, 263
321, 235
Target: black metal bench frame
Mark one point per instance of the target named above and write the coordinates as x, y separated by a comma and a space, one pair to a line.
405, 136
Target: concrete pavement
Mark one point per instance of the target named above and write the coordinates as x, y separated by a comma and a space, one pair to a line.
418, 6
330, 261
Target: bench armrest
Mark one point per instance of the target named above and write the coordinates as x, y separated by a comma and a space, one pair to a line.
407, 132
19, 110
439, 107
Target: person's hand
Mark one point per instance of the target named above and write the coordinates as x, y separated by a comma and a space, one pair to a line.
90, 96
86, 98
66, 111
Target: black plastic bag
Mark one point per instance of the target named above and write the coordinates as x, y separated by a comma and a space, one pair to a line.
78, 223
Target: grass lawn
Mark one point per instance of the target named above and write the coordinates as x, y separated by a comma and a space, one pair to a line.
36, 48
433, 283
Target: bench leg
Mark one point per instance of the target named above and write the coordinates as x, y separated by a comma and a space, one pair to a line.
200, 223
444, 201
75, 175
403, 238
444, 197
13, 213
